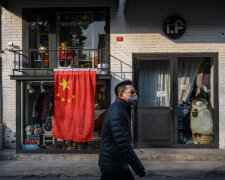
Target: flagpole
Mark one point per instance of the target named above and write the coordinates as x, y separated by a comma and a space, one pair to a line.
75, 69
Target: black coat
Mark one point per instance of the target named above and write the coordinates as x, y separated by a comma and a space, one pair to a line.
116, 151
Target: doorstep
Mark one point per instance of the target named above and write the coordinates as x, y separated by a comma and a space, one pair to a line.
145, 154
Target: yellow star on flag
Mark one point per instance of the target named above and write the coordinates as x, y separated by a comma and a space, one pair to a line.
69, 100
63, 99
73, 96
65, 84
58, 94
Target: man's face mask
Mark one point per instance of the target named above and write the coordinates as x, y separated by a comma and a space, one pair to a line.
133, 99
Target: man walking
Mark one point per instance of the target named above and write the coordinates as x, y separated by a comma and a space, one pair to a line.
116, 152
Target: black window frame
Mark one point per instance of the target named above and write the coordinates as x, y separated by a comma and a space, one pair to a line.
174, 57
52, 14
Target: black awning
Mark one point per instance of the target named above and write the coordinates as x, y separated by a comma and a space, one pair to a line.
3, 3
24, 77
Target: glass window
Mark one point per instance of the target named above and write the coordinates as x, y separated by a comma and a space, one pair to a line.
81, 30
84, 31
154, 80
195, 100
39, 40
38, 118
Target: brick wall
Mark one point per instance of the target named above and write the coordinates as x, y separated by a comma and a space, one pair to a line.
11, 31
141, 27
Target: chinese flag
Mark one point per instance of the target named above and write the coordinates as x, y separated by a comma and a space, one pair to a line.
74, 106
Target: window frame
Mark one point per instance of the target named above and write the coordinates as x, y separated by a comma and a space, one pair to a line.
20, 118
174, 57
53, 36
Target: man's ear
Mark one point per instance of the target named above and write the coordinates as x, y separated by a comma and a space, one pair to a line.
120, 95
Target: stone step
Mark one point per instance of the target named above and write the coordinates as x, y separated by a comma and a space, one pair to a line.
147, 154
175, 154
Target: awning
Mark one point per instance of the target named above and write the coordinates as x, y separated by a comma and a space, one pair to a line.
3, 3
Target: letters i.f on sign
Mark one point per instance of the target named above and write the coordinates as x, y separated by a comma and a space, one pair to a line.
174, 26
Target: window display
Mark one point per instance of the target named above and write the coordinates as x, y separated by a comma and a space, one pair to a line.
195, 100
79, 38
39, 118
81, 35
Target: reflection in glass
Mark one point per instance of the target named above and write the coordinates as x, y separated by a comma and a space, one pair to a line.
82, 30
38, 39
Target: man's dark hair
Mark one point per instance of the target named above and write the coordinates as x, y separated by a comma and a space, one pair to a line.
121, 87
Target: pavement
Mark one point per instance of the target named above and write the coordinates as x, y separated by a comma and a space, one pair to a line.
98, 178
174, 163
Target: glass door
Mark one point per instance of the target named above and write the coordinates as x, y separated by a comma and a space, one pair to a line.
155, 108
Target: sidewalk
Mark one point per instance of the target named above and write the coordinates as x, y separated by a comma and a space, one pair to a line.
158, 162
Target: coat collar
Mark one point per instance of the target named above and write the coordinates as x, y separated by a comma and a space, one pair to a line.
124, 103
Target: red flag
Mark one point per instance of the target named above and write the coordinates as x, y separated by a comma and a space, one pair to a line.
74, 109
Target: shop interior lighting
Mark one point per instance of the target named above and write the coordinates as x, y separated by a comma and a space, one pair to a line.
30, 89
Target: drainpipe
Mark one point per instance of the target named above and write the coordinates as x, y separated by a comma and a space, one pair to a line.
1, 102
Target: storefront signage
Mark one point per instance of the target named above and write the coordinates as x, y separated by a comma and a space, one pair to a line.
161, 94
32, 141
174, 26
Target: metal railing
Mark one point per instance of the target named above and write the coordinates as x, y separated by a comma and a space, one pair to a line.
50, 59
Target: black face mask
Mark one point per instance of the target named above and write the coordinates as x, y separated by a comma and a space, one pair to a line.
132, 99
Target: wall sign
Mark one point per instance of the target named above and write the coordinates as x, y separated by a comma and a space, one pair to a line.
119, 38
174, 26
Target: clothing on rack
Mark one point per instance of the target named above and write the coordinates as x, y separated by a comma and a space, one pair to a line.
46, 104
34, 110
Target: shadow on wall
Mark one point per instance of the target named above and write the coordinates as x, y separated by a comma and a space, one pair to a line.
204, 19
119, 75
9, 138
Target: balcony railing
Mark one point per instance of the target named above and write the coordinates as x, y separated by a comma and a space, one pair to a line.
36, 61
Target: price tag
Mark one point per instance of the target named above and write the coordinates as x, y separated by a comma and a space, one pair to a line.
183, 87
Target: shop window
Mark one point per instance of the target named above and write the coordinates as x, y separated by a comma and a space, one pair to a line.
76, 39
39, 40
195, 100
81, 30
38, 118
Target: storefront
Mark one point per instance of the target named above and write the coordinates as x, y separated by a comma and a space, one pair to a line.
173, 52
65, 39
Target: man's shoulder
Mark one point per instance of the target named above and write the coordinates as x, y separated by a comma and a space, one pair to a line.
116, 106
116, 110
